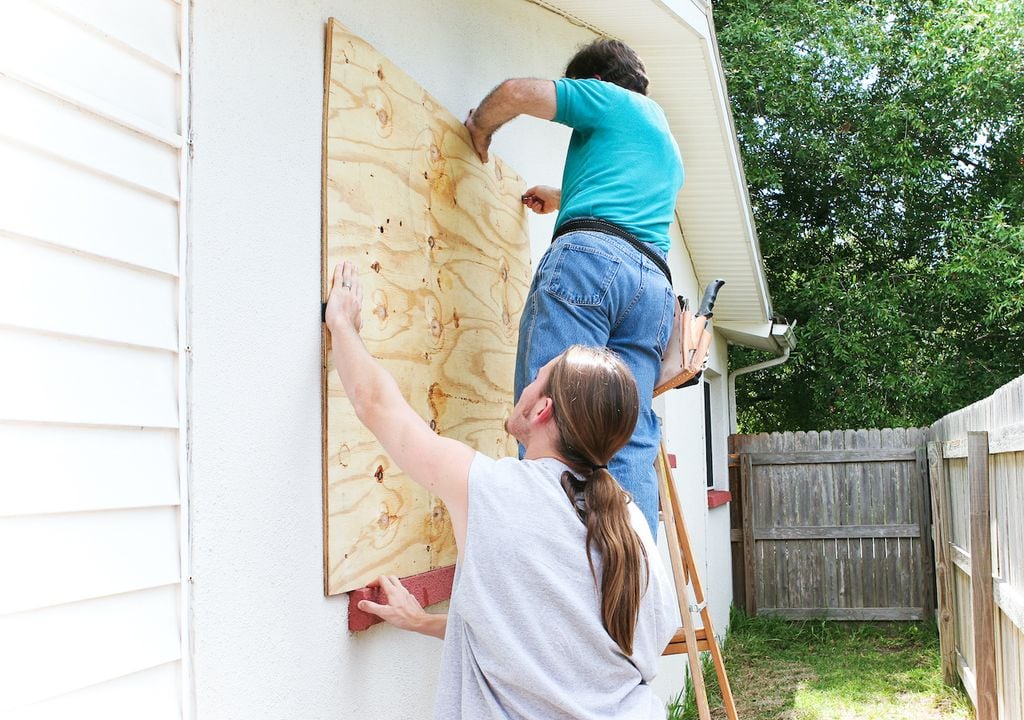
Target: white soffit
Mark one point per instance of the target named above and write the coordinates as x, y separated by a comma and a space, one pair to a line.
769, 336
676, 40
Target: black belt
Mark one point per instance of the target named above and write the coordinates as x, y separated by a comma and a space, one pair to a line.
612, 229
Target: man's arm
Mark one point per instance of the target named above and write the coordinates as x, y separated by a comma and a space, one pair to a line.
439, 464
403, 610
519, 96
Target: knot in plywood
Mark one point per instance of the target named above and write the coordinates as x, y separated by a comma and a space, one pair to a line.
437, 400
344, 455
380, 307
438, 520
440, 175
378, 101
386, 518
432, 314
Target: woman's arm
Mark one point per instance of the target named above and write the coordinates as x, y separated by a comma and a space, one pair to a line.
439, 464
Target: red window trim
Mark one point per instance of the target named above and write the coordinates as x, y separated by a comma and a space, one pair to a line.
717, 498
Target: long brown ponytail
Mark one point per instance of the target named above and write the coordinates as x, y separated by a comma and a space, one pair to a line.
596, 405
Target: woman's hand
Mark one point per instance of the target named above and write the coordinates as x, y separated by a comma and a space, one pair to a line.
402, 609
345, 304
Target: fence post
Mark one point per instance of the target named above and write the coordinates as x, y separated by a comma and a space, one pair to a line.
736, 549
747, 483
982, 602
943, 569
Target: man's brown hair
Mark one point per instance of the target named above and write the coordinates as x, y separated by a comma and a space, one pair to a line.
612, 61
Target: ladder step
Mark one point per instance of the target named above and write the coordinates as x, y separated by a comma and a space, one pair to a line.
677, 645
680, 647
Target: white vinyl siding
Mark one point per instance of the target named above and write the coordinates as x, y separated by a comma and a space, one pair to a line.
91, 359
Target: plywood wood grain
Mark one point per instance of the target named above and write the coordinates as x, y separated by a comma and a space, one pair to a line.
443, 252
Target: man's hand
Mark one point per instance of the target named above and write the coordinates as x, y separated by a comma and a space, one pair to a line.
543, 199
402, 609
480, 139
345, 304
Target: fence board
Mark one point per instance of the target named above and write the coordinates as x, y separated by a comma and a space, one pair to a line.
982, 604
960, 558
964, 623
844, 565
943, 568
959, 503
766, 586
1011, 662
878, 505
809, 457
955, 448
746, 482
1011, 602
853, 614
736, 544
920, 477
820, 532
1006, 440
832, 574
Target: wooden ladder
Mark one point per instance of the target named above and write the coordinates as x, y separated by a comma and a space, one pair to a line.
689, 639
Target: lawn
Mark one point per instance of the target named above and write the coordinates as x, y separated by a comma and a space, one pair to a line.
820, 670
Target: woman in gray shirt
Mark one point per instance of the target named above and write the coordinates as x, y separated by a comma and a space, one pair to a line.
560, 607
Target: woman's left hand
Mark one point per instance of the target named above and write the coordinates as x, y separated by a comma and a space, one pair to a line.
402, 609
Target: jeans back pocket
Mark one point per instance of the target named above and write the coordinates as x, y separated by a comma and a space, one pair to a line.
582, 275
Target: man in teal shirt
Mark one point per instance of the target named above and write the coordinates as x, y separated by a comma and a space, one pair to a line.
604, 280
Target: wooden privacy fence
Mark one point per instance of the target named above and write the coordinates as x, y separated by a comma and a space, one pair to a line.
977, 471
832, 524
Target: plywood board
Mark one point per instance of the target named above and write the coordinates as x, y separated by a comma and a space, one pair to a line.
443, 252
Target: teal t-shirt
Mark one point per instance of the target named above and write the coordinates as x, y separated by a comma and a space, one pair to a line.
623, 164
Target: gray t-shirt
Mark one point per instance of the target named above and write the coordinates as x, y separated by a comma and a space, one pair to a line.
524, 637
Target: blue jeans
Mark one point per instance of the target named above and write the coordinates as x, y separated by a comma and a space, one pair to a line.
593, 288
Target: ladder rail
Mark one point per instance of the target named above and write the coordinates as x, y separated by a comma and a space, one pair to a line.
679, 576
684, 572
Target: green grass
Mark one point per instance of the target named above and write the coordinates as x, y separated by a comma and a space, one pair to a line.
821, 670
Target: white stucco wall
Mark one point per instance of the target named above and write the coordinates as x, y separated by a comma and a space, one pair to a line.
267, 643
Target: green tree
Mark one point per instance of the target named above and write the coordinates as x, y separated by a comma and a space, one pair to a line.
884, 149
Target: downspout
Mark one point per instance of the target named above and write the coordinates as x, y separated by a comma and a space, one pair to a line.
743, 371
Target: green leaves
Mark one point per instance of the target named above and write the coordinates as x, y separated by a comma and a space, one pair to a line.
884, 148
